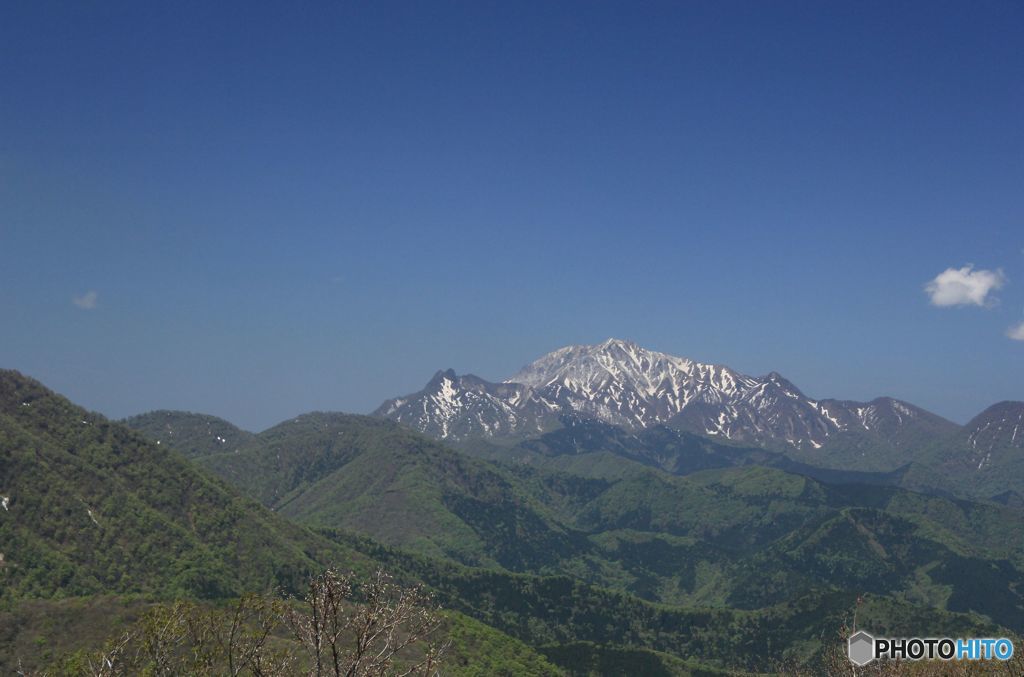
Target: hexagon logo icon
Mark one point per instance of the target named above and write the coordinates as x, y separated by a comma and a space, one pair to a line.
861, 648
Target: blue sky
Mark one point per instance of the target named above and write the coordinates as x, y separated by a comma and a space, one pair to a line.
263, 209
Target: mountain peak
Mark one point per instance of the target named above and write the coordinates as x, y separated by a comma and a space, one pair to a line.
443, 375
622, 344
1000, 409
588, 365
1001, 425
621, 383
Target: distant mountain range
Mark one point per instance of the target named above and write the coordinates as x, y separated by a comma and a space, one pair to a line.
586, 521
999, 428
618, 383
984, 458
725, 537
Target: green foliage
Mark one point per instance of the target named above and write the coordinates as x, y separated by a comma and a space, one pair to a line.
372, 476
604, 561
95, 508
36, 632
589, 659
193, 435
558, 610
380, 631
478, 650
955, 467
742, 537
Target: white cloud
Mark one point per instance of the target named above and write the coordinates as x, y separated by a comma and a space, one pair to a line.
86, 301
1016, 332
964, 286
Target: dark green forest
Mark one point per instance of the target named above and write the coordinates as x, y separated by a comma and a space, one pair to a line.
588, 563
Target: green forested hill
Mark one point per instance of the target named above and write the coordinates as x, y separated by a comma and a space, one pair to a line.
377, 478
674, 451
191, 434
738, 537
728, 569
97, 522
92, 507
560, 612
984, 459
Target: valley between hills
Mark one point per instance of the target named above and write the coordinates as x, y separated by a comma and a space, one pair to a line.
606, 506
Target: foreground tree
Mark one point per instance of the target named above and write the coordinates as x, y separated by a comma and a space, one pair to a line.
363, 637
341, 627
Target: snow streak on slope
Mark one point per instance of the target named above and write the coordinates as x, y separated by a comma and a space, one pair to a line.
998, 430
619, 382
458, 407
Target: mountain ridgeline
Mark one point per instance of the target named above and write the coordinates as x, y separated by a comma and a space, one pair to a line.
97, 522
984, 459
641, 395
620, 383
748, 537
577, 540
91, 507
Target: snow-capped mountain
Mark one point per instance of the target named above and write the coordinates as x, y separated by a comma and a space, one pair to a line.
984, 458
619, 382
459, 407
1001, 425
995, 435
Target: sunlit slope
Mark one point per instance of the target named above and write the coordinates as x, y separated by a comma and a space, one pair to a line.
90, 506
740, 537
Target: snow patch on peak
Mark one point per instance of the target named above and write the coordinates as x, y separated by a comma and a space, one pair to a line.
902, 408
620, 383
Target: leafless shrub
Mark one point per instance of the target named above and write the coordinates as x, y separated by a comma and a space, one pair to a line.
370, 629
361, 632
